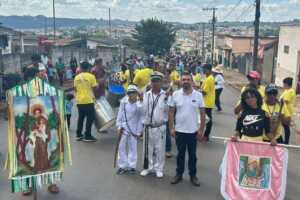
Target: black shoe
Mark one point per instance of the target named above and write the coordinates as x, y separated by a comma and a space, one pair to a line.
89, 139
195, 181
121, 171
177, 179
131, 171
79, 138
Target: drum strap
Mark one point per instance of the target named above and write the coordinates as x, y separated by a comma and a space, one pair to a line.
154, 103
127, 124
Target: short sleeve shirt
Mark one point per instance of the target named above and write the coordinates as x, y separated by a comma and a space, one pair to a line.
209, 88
273, 112
84, 84
187, 110
289, 96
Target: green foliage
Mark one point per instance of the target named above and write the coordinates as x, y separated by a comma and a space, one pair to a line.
155, 36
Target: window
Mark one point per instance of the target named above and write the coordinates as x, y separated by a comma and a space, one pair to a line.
286, 49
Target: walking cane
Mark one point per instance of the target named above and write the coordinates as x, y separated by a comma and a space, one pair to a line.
146, 159
117, 148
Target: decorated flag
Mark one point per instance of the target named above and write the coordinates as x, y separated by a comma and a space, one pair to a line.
254, 171
38, 140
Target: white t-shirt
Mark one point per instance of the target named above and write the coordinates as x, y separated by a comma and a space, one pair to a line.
219, 80
187, 110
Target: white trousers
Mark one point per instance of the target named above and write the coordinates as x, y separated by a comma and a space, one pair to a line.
157, 148
127, 159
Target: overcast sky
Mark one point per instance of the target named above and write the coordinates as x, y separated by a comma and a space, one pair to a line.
187, 11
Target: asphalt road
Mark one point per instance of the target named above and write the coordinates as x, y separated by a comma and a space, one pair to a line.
92, 176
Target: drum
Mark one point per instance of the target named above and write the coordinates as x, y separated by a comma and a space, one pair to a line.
105, 116
115, 94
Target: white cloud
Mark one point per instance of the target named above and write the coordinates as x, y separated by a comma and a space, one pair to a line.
172, 10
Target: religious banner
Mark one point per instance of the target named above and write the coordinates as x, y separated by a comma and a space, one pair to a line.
254, 171
38, 140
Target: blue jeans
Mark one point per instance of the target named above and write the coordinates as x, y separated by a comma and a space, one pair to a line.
168, 139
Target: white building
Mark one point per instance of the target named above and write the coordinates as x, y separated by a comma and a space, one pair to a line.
288, 62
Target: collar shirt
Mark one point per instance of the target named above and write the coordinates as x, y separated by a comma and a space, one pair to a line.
187, 110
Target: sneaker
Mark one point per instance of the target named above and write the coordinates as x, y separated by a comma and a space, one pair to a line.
90, 139
177, 179
131, 171
168, 155
159, 175
121, 171
195, 181
145, 172
79, 138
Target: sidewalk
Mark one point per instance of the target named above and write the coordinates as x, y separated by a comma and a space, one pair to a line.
238, 80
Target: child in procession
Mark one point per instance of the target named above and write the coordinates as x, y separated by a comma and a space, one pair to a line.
129, 124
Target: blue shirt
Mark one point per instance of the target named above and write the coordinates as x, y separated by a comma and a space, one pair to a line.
69, 106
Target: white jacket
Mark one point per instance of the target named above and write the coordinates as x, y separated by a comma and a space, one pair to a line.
130, 117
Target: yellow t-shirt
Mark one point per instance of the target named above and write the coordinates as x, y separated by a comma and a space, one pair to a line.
142, 78
289, 96
174, 76
125, 76
197, 79
272, 111
209, 88
84, 83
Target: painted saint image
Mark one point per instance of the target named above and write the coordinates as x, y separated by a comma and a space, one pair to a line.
254, 172
37, 132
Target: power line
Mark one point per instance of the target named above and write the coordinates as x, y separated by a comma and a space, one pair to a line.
232, 10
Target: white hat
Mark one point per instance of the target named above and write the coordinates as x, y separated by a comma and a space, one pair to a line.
157, 75
132, 88
42, 67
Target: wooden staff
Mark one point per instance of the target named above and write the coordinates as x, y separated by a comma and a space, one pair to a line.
281, 145
117, 148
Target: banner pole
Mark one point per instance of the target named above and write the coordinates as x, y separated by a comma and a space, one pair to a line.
282, 145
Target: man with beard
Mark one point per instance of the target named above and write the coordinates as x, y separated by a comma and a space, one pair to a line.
187, 102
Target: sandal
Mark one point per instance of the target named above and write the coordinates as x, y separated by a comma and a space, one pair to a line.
27, 192
53, 189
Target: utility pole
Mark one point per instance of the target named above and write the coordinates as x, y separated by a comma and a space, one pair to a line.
54, 24
256, 34
46, 26
203, 43
109, 22
213, 32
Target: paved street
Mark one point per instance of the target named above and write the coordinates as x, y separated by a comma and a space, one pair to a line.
92, 177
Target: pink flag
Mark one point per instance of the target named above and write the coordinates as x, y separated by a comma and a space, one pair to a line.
253, 171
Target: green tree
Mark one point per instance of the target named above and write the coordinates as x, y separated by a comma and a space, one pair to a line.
155, 36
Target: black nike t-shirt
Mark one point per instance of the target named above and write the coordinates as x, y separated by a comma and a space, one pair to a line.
253, 123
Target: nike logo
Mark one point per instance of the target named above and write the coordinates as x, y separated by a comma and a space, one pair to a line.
251, 119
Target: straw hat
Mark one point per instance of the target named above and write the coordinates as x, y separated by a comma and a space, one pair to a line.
218, 70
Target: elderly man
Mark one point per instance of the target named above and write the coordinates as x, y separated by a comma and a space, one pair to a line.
156, 115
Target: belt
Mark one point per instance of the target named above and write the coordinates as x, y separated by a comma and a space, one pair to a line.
155, 125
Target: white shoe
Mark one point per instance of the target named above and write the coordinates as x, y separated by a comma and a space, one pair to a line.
159, 174
145, 172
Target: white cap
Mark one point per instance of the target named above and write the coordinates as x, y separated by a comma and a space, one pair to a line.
132, 88
42, 67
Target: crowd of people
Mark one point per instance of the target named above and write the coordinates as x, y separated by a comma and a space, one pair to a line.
172, 96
